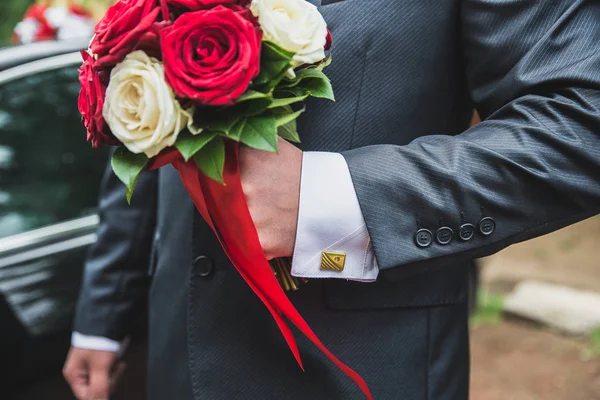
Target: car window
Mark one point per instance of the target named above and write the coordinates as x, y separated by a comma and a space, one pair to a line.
48, 172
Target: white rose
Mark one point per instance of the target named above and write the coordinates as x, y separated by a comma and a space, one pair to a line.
75, 26
294, 25
140, 107
68, 24
56, 16
26, 30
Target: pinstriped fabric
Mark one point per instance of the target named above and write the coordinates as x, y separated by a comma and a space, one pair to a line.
171, 335
388, 84
534, 71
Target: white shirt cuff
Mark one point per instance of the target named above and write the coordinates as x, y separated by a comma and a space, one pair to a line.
330, 219
94, 343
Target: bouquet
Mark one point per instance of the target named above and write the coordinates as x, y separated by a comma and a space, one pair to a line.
186, 82
58, 20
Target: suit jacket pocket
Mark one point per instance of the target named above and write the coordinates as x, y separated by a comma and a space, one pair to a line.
435, 288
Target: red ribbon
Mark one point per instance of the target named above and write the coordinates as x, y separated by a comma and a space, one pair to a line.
224, 208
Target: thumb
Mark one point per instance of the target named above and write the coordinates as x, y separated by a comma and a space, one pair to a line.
99, 388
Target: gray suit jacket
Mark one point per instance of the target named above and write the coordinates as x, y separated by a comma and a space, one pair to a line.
407, 75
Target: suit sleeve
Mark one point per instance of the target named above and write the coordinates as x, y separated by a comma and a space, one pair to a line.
533, 165
115, 280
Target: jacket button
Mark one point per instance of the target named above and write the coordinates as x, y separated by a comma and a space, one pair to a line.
423, 238
444, 235
203, 266
466, 232
487, 226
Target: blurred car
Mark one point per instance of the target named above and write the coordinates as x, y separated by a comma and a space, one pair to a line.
49, 180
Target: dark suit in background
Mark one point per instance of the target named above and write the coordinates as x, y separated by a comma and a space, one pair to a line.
407, 75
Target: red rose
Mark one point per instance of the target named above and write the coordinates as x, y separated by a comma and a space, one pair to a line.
210, 56
328, 40
91, 101
123, 27
44, 31
195, 5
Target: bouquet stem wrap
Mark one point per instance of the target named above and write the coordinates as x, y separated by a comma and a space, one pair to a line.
224, 208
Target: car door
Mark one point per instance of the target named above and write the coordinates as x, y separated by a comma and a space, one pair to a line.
49, 180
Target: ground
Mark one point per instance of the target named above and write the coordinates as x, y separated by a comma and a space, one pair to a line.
570, 256
517, 360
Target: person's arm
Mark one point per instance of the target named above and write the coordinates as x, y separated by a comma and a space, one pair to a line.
115, 284
531, 167
115, 281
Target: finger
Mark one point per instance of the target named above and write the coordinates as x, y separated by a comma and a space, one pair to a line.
79, 383
76, 374
80, 390
116, 376
99, 382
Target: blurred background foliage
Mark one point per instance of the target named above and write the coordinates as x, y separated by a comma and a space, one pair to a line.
12, 11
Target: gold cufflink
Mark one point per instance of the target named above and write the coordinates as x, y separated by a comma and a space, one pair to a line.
333, 261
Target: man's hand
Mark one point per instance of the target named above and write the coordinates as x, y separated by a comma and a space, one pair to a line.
271, 183
92, 374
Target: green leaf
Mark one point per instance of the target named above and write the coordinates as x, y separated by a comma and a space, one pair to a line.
260, 132
223, 125
312, 80
211, 159
252, 95
289, 132
289, 91
236, 132
250, 107
316, 83
274, 63
282, 119
189, 144
301, 74
287, 101
324, 64
224, 118
320, 88
286, 123
127, 166
214, 119
289, 83
308, 73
